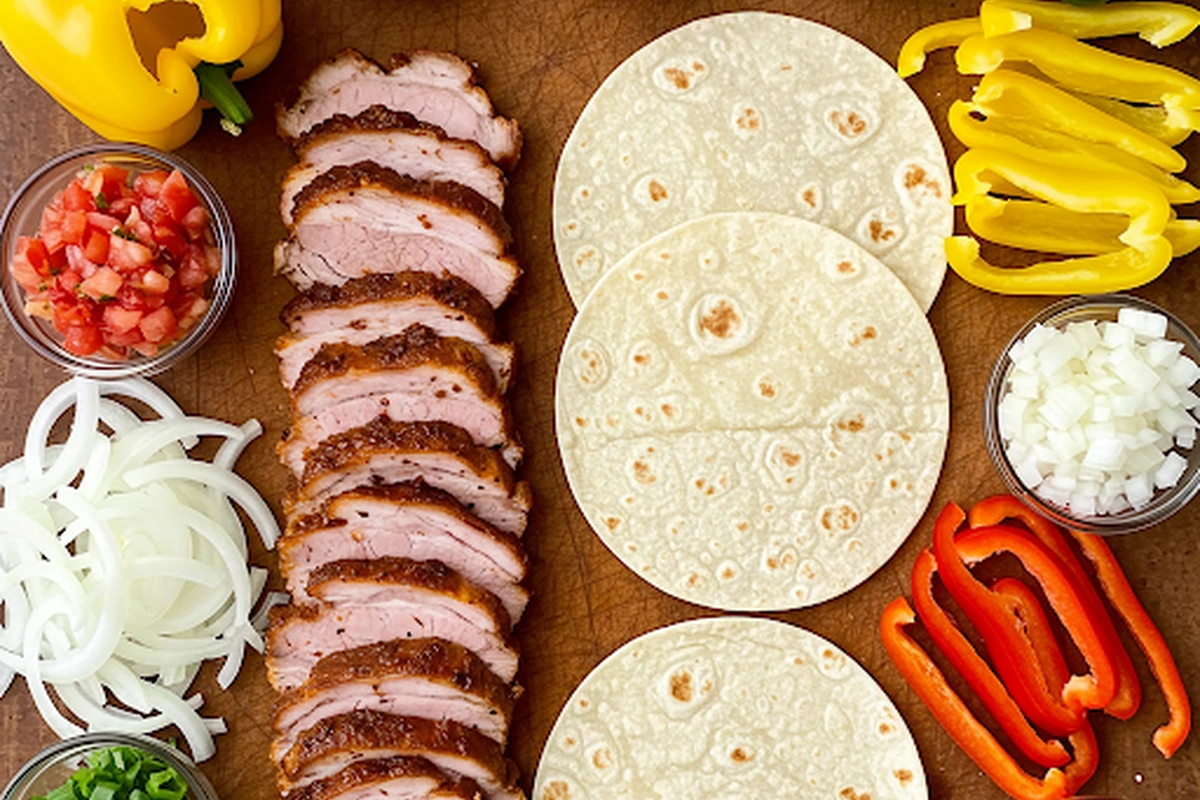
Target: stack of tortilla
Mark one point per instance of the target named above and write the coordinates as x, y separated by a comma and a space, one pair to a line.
751, 406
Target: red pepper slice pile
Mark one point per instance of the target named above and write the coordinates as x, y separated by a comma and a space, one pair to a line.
1031, 686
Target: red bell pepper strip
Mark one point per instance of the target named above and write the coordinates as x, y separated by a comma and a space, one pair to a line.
1029, 610
1011, 651
975, 671
998, 508
1170, 736
1093, 690
967, 732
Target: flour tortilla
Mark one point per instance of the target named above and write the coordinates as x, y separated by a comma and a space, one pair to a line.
754, 111
752, 412
729, 707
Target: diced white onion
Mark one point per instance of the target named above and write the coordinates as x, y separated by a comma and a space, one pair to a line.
123, 563
1092, 415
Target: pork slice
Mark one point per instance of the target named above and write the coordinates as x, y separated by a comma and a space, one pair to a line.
407, 520
393, 139
342, 250
436, 88
385, 202
392, 777
412, 376
364, 309
443, 455
367, 601
430, 678
332, 744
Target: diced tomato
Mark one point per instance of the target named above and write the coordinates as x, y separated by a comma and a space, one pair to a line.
195, 224
126, 254
103, 284
120, 320
159, 325
170, 239
74, 225
95, 246
149, 184
119, 267
154, 282
77, 198
82, 340
176, 196
67, 280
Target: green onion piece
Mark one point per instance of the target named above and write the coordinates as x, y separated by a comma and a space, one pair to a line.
101, 201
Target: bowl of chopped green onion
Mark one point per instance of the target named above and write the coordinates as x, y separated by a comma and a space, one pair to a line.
109, 766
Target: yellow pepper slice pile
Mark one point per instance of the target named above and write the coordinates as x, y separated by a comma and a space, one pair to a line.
136, 70
1070, 147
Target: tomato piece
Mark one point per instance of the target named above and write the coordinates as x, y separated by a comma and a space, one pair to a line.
195, 224
73, 227
82, 340
176, 196
103, 284
67, 280
159, 325
95, 246
121, 206
119, 320
69, 314
149, 183
76, 198
25, 274
34, 252
126, 254
171, 240
77, 261
154, 282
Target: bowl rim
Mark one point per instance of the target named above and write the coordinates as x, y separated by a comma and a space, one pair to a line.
200, 788
220, 296
1165, 503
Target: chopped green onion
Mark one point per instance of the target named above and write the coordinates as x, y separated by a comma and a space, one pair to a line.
122, 773
101, 201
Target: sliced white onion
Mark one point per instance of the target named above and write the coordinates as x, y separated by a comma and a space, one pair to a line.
123, 562
1093, 415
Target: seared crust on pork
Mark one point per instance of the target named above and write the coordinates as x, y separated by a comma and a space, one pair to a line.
399, 777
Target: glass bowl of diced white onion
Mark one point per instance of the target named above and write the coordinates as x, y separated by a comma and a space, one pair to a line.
1091, 414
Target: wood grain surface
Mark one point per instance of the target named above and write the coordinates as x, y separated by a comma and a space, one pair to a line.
540, 60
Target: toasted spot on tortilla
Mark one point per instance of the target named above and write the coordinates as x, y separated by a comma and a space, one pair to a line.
741, 756
681, 687
612, 522
850, 124
602, 758
904, 776
657, 191
556, 790
678, 77
722, 321
852, 425
642, 472
850, 794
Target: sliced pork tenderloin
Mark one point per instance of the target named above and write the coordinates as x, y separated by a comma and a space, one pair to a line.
412, 376
364, 602
364, 309
441, 454
435, 87
430, 678
334, 743
405, 520
393, 139
392, 777
355, 220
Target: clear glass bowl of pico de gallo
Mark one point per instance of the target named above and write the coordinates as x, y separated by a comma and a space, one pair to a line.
119, 260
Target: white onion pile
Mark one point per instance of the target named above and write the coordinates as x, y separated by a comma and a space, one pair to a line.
1094, 415
123, 564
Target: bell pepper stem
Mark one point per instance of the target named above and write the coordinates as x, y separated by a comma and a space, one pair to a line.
217, 88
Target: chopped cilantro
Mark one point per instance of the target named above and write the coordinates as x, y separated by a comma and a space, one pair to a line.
101, 201
122, 773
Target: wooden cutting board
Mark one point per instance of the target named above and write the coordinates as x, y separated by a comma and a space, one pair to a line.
540, 61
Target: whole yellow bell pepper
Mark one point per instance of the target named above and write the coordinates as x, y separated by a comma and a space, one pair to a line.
137, 70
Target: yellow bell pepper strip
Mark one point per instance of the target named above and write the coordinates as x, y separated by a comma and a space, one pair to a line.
1160, 24
1074, 189
1111, 272
1016, 96
929, 684
86, 55
1170, 129
1044, 227
1170, 736
1082, 67
1053, 148
949, 33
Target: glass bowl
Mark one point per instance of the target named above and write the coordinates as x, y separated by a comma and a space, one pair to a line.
22, 217
1164, 502
53, 766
